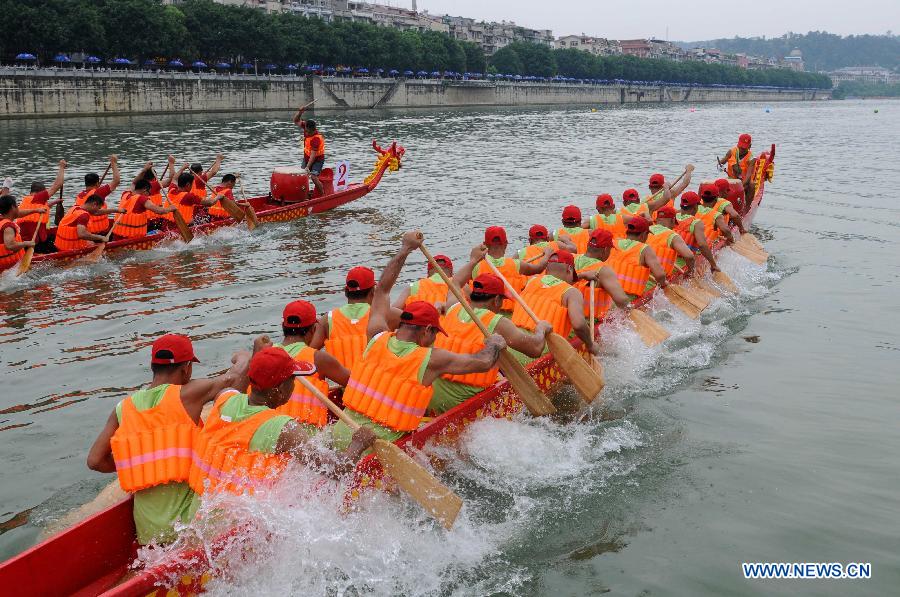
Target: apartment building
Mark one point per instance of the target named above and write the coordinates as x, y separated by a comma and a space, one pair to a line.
598, 46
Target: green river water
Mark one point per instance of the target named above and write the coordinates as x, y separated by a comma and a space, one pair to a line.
766, 432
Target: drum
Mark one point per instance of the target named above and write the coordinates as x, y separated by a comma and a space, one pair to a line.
736, 194
289, 185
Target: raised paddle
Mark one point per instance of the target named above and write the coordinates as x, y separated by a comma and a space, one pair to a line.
182, 226
25, 263
592, 360
650, 332
537, 404
252, 221
585, 379
230, 206
435, 497
94, 256
60, 210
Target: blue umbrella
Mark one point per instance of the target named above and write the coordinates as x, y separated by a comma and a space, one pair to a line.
363, 71
291, 67
408, 73
435, 73
199, 64
393, 72
92, 60
26, 56
61, 58
121, 61
176, 63
421, 73
223, 65
330, 69
150, 62
246, 65
271, 67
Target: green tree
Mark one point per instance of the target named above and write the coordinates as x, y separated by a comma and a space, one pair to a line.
506, 61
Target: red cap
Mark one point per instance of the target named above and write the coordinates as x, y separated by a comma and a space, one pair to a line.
666, 211
744, 141
631, 196
422, 314
601, 238
657, 180
360, 278
298, 314
689, 199
495, 235
571, 213
723, 185
562, 257
538, 232
272, 366
489, 284
443, 261
709, 190
638, 225
605, 200
171, 349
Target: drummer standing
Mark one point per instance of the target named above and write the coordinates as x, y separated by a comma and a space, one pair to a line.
313, 149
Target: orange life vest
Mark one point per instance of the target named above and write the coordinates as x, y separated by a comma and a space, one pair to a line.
685, 229
430, 292
156, 197
601, 298
709, 217
154, 446
661, 245
216, 208
131, 224
613, 222
669, 203
346, 338
67, 232
98, 224
9, 258
466, 338
642, 210
386, 388
223, 460
580, 237
546, 302
733, 159
187, 211
307, 146
510, 270
198, 186
532, 252
626, 262
28, 203
303, 405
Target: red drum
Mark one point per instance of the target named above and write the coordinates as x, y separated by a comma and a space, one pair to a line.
289, 185
736, 194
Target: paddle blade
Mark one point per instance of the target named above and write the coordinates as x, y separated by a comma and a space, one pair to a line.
252, 221
530, 395
749, 253
725, 281
751, 240
650, 332
582, 376
436, 498
681, 298
233, 209
25, 263
705, 287
183, 229
94, 256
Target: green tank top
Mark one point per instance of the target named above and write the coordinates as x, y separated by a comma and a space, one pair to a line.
656, 229
583, 261
608, 219
497, 261
414, 287
571, 230
352, 311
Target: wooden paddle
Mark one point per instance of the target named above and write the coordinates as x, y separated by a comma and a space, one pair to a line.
750, 253
435, 497
592, 360
230, 206
688, 301
183, 229
530, 395
585, 379
252, 221
753, 241
704, 287
94, 256
60, 212
725, 281
25, 263
650, 332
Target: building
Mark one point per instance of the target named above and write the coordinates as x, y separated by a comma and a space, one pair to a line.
864, 74
652, 48
597, 46
794, 60
492, 36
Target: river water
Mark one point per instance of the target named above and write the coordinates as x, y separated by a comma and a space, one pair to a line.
765, 432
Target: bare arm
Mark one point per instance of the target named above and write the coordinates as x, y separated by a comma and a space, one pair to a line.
117, 176
680, 247
85, 234
443, 361
574, 303
170, 173
216, 165
735, 217
660, 198
700, 239
9, 239
400, 301
294, 441
725, 229
331, 368
58, 182
529, 344
649, 259
685, 181
150, 206
565, 242
100, 456
607, 279
380, 312
725, 159
198, 392
536, 267
147, 167
318, 339
212, 200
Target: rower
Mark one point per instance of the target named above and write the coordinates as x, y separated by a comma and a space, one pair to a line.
183, 197
606, 218
430, 289
13, 247
571, 226
719, 203
99, 223
226, 189
591, 266
657, 185
632, 206
539, 241
553, 299
73, 233
299, 322
149, 438
692, 229
156, 186
245, 443
342, 331
669, 247
463, 336
738, 160
138, 205
390, 387
633, 261
515, 271
313, 149
40, 196
714, 221
201, 178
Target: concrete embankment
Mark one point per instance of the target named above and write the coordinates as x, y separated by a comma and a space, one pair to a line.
80, 92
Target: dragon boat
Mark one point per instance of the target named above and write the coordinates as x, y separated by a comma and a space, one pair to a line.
93, 557
285, 202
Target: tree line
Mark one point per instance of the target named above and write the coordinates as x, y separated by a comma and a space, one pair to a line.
200, 29
847, 89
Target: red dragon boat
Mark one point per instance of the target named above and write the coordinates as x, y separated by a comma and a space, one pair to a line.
92, 557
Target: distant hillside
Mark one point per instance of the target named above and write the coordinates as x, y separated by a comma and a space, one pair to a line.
821, 50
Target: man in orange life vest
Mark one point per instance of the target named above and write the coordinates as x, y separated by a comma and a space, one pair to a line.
670, 248
201, 177
430, 289
553, 299
138, 205
572, 227
390, 387
40, 196
725, 205
155, 465
658, 181
633, 206
298, 323
73, 233
183, 197
313, 149
245, 442
691, 228
99, 223
226, 189
713, 214
738, 161
590, 266
607, 217
514, 270
539, 240
633, 261
13, 247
